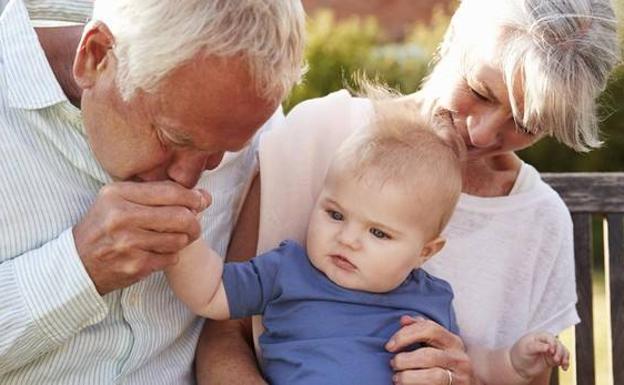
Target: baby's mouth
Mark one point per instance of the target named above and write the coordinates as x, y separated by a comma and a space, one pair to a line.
342, 262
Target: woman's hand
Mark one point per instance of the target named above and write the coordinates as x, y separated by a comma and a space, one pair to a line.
442, 361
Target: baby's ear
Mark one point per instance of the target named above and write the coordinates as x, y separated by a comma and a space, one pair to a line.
432, 247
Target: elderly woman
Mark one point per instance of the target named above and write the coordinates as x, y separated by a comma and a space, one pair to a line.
509, 73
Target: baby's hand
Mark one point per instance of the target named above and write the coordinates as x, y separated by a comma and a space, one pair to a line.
536, 352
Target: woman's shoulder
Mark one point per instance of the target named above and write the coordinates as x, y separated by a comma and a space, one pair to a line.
530, 194
338, 103
334, 102
547, 198
328, 119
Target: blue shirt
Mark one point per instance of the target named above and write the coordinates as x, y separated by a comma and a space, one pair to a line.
320, 333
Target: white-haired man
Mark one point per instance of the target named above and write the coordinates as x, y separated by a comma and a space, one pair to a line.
105, 131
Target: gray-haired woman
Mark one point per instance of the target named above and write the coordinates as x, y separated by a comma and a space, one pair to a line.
509, 73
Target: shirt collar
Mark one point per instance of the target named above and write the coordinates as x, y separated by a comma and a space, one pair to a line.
31, 84
76, 11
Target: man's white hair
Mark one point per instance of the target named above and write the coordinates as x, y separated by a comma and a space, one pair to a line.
560, 52
153, 37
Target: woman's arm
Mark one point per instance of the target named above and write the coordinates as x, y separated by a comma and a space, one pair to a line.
225, 350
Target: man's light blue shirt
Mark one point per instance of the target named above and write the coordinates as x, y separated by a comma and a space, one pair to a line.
54, 326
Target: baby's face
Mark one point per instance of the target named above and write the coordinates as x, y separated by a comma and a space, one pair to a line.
365, 236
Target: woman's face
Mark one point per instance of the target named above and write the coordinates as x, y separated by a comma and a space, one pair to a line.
476, 97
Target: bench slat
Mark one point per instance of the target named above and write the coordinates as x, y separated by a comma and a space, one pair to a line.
584, 330
589, 192
554, 377
615, 262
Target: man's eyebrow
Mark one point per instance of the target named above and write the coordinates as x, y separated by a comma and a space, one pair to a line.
176, 136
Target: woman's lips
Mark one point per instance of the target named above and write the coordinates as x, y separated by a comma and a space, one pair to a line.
342, 263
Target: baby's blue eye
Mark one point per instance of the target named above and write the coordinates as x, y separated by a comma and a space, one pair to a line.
335, 215
378, 233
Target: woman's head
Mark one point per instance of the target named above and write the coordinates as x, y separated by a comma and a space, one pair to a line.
512, 71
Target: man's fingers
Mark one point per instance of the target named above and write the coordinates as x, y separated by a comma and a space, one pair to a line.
159, 243
166, 219
165, 193
426, 332
122, 272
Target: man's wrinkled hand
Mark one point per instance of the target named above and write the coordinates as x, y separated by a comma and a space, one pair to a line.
133, 229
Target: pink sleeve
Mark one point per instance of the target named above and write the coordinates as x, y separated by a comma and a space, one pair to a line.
294, 159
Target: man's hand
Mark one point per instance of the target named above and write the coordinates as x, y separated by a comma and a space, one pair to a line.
442, 362
134, 229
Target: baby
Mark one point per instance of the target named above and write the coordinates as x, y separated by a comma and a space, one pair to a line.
329, 307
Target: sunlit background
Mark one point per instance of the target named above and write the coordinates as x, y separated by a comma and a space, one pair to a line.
393, 41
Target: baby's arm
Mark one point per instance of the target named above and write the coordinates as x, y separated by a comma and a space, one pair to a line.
528, 358
196, 280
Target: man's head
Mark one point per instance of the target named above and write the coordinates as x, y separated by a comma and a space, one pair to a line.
169, 86
389, 192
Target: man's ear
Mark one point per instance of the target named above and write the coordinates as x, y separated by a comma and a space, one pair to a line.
92, 56
432, 247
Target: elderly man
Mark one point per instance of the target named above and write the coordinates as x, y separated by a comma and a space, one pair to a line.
104, 132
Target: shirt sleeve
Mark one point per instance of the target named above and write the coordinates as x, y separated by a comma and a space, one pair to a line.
250, 285
47, 297
555, 298
77, 11
453, 325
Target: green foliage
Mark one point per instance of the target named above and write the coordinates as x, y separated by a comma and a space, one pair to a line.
548, 155
336, 50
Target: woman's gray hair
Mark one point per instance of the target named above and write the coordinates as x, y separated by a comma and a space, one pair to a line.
153, 37
560, 52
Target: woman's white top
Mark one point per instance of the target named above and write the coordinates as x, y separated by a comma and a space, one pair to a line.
509, 259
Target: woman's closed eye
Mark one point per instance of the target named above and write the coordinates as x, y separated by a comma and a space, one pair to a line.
335, 215
380, 234
478, 95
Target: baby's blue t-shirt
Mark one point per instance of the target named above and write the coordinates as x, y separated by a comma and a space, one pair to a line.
318, 333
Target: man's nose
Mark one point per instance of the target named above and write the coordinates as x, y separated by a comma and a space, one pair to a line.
187, 166
213, 161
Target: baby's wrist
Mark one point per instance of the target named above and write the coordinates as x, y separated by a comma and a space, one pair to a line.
518, 374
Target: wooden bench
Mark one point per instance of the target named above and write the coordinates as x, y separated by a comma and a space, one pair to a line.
586, 195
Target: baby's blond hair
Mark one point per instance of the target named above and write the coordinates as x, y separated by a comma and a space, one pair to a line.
399, 148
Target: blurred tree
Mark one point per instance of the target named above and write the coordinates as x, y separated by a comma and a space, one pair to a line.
334, 51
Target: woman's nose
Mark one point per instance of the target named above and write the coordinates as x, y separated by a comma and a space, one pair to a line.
485, 130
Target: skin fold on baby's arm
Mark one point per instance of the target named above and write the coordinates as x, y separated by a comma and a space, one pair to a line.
196, 280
